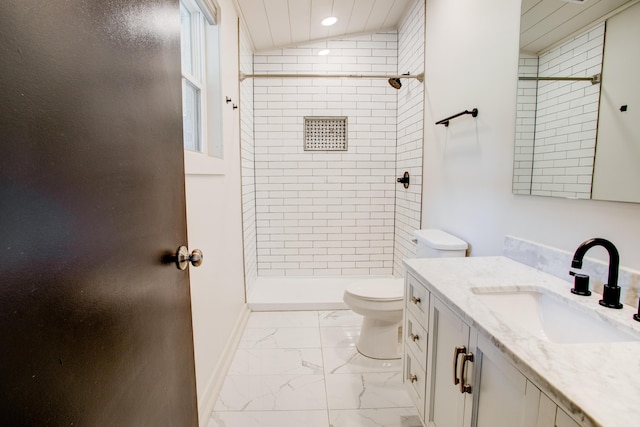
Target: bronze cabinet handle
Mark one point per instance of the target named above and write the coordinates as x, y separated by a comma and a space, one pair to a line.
457, 352
414, 337
415, 300
465, 388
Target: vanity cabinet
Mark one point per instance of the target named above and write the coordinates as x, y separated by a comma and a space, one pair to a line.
469, 382
415, 339
545, 412
458, 378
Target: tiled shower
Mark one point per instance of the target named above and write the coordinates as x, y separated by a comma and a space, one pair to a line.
332, 213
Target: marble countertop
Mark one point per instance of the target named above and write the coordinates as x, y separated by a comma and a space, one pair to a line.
599, 383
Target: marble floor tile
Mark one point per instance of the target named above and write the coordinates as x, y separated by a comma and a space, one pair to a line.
366, 391
339, 318
272, 393
347, 360
270, 419
391, 417
283, 319
255, 338
302, 368
339, 336
276, 361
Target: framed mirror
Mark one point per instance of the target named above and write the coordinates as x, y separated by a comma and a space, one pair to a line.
578, 107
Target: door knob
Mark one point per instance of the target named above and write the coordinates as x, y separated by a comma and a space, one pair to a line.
183, 258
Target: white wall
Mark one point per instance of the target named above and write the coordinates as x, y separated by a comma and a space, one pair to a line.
471, 60
214, 225
618, 131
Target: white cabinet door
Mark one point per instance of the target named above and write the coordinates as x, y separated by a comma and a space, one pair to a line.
445, 404
486, 390
564, 420
551, 415
499, 392
489, 391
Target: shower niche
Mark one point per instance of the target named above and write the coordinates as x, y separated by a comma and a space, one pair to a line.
325, 133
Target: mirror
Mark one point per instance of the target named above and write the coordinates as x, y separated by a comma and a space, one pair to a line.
577, 127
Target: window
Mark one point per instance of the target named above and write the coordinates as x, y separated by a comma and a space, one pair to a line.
201, 109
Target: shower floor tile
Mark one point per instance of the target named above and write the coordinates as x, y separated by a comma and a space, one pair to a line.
302, 368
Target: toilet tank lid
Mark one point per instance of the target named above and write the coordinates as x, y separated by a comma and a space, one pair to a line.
438, 239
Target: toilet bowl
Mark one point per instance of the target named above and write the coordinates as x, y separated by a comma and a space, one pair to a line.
380, 302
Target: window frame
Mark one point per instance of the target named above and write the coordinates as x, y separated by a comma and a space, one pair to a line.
205, 50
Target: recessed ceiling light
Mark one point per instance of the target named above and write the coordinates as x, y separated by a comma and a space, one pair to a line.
329, 21
324, 52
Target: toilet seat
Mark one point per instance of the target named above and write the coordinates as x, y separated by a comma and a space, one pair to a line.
386, 290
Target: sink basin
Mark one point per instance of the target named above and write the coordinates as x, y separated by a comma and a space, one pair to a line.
547, 317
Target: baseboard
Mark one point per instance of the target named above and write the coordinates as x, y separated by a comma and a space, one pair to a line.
214, 385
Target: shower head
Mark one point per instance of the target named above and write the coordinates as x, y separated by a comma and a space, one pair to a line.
395, 83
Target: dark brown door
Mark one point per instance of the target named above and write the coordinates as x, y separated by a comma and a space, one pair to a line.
94, 329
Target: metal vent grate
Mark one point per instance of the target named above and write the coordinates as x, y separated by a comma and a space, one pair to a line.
325, 133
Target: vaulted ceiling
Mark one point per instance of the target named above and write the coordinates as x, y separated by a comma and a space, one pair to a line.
279, 23
545, 22
275, 24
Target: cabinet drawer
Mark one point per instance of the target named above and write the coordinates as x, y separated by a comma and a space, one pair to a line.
415, 339
414, 381
417, 300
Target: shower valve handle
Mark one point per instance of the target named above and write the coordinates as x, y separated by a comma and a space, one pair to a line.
404, 180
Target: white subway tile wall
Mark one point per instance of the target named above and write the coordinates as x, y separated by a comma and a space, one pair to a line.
332, 213
409, 134
525, 124
566, 118
247, 163
320, 212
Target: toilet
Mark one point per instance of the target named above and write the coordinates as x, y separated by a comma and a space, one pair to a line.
381, 300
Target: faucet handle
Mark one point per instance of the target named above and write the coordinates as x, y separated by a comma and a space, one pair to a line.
610, 297
580, 284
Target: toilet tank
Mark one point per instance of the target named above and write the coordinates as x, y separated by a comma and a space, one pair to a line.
433, 243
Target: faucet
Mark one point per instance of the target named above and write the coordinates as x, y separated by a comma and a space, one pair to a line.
611, 290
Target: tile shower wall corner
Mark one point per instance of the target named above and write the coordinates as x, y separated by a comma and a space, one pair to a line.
558, 263
409, 134
247, 163
326, 213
